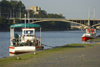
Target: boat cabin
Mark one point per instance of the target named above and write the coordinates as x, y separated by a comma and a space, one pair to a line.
28, 34
28, 31
28, 42
92, 31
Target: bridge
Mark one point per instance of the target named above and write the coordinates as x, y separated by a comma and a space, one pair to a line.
83, 23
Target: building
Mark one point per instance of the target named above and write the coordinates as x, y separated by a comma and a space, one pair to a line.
60, 14
36, 9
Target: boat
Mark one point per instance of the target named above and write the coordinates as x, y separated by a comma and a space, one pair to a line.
90, 34
27, 42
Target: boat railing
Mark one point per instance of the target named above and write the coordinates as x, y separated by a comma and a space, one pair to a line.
18, 41
15, 41
39, 40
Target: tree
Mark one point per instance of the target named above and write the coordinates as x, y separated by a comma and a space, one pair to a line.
3, 23
11, 8
17, 21
36, 16
17, 8
9, 22
42, 14
5, 8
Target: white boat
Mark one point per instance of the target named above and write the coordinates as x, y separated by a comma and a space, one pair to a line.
28, 42
90, 34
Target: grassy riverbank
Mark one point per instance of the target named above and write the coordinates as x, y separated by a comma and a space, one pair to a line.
98, 40
94, 40
27, 57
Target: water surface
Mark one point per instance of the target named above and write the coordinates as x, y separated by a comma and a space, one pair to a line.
49, 38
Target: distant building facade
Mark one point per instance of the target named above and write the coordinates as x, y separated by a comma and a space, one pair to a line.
60, 14
36, 9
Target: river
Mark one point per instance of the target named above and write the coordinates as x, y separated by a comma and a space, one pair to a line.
50, 38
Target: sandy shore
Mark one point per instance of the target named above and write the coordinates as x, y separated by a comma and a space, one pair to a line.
69, 57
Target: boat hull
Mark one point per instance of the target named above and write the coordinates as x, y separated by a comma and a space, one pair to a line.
86, 38
23, 49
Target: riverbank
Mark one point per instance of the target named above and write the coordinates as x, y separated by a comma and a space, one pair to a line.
94, 40
73, 55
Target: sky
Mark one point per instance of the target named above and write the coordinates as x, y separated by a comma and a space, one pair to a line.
71, 9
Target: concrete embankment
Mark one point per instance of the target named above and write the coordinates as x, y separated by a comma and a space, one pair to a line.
85, 55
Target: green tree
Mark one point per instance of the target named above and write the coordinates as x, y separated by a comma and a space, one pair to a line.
3, 22
17, 8
11, 8
42, 14
36, 16
9, 22
31, 14
17, 21
5, 8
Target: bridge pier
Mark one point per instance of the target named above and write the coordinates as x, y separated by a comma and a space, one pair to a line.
82, 28
89, 22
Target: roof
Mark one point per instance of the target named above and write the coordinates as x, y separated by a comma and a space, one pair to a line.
23, 25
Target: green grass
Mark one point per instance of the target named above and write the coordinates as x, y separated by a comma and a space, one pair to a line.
96, 39
28, 56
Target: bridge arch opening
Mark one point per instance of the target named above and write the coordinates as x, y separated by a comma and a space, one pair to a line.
54, 25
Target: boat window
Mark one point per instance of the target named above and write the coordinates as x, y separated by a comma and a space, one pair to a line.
28, 32
31, 32
90, 31
93, 30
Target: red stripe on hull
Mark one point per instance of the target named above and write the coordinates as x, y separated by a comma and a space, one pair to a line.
12, 47
86, 38
11, 52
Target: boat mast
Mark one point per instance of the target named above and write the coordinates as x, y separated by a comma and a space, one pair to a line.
25, 24
89, 17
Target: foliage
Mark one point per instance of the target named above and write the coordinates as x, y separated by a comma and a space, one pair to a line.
9, 22
16, 9
2, 20
17, 21
55, 25
11, 8
3, 23
44, 14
